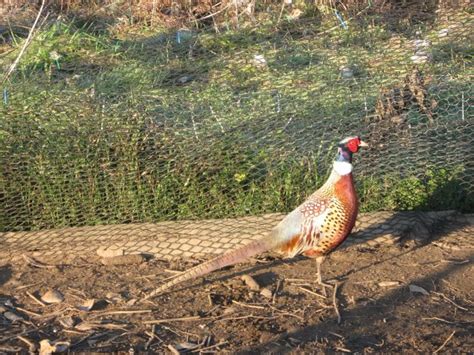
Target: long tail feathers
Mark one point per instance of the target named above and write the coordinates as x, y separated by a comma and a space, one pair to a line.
230, 258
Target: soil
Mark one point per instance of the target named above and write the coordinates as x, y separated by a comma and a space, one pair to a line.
391, 298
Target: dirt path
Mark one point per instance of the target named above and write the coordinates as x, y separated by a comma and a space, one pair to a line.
378, 311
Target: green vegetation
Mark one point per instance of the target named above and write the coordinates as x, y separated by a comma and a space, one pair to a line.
103, 127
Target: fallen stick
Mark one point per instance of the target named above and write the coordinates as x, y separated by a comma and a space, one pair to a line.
247, 305
138, 311
182, 319
445, 342
334, 302
36, 299
37, 264
311, 292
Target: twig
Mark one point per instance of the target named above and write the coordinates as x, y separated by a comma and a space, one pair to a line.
244, 317
37, 300
215, 13
439, 319
338, 335
37, 264
450, 301
82, 339
25, 45
182, 319
311, 292
334, 302
247, 305
344, 350
445, 342
138, 311
286, 313
209, 347
27, 286
31, 345
276, 291
152, 337
4, 339
31, 313
283, 3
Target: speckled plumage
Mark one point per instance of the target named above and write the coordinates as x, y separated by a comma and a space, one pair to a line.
328, 216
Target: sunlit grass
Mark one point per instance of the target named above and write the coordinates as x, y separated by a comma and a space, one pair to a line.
99, 129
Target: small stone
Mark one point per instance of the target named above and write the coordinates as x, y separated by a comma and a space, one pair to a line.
259, 60
184, 79
52, 296
418, 289
12, 317
229, 310
443, 33
130, 259
346, 72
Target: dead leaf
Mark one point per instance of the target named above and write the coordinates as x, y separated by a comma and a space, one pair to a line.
52, 296
67, 322
250, 282
418, 289
87, 305
48, 347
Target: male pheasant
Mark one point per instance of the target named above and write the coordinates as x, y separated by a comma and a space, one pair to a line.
315, 228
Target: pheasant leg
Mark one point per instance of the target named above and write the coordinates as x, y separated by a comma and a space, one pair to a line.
319, 280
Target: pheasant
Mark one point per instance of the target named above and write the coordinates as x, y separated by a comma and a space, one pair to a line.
315, 228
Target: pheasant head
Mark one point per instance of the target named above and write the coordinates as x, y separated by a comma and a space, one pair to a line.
345, 149
349, 146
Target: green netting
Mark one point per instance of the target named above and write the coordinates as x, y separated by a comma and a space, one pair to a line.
206, 134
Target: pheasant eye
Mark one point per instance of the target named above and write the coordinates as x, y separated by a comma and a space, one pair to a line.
353, 145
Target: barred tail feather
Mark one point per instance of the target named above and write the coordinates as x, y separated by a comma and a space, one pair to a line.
230, 258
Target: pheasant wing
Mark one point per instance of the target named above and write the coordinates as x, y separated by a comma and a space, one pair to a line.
301, 229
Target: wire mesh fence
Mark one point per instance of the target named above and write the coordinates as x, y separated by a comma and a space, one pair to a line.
247, 134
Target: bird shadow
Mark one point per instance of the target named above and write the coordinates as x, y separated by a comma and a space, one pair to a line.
5, 274
360, 325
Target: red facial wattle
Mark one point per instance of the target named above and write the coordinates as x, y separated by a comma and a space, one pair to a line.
353, 145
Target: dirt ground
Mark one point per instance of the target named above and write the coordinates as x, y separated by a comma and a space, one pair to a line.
405, 297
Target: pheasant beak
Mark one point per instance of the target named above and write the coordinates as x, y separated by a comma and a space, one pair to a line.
363, 144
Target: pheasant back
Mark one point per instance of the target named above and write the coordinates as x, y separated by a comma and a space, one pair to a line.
329, 215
